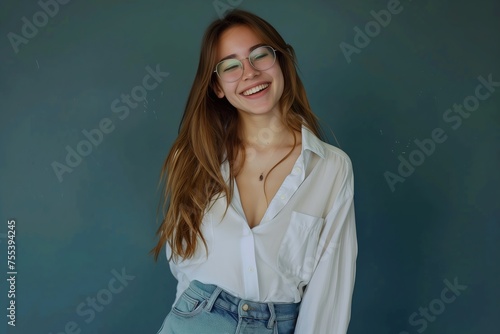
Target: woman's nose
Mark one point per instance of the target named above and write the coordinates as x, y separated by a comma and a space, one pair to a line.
248, 70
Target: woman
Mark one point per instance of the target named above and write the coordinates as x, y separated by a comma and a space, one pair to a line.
260, 230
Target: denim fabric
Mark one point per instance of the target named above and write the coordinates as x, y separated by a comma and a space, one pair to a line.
207, 309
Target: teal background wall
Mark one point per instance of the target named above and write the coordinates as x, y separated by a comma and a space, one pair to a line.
82, 239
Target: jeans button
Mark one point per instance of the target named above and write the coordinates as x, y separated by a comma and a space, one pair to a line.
245, 307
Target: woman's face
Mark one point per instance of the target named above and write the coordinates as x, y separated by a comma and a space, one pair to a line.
238, 42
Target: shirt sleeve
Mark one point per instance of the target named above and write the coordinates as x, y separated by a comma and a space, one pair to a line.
326, 303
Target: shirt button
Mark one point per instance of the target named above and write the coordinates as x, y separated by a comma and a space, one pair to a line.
245, 307
297, 170
251, 269
283, 196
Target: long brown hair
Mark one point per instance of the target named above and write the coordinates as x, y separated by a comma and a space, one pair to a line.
208, 136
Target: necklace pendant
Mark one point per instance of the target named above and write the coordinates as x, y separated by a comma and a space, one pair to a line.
261, 177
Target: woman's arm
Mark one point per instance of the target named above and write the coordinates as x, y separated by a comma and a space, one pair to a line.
326, 303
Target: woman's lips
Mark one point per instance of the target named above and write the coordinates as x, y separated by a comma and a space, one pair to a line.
256, 91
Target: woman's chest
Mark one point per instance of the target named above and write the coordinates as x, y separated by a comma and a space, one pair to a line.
258, 184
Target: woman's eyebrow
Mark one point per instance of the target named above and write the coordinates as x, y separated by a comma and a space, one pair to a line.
249, 50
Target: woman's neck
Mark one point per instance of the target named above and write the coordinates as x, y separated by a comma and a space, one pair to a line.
263, 132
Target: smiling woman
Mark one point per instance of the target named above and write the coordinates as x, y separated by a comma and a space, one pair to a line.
260, 228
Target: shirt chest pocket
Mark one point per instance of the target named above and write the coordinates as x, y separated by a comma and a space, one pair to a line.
298, 252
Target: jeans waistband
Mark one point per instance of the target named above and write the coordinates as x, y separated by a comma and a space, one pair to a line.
244, 308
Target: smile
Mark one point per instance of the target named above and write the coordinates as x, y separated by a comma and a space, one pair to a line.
255, 89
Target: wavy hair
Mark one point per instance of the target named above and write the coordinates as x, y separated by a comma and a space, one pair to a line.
208, 136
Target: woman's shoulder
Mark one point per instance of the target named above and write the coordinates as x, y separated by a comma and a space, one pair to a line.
330, 153
336, 163
335, 155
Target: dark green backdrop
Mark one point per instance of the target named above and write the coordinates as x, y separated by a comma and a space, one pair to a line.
83, 236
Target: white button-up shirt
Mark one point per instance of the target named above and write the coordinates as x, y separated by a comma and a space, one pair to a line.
304, 249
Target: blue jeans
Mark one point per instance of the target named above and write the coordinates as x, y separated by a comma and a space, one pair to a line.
207, 309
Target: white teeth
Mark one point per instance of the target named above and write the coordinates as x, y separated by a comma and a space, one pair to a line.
255, 89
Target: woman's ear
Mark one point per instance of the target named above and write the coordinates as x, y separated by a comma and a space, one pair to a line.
218, 90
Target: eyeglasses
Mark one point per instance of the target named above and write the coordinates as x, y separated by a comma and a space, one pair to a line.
261, 59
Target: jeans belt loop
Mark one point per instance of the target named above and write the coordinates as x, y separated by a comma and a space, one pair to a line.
212, 299
272, 318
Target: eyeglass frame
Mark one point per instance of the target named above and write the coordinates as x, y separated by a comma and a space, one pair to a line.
241, 62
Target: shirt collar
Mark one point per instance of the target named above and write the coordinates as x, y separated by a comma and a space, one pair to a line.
312, 143
309, 143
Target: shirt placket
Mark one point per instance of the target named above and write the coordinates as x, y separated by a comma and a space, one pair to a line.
249, 264
247, 251
287, 189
